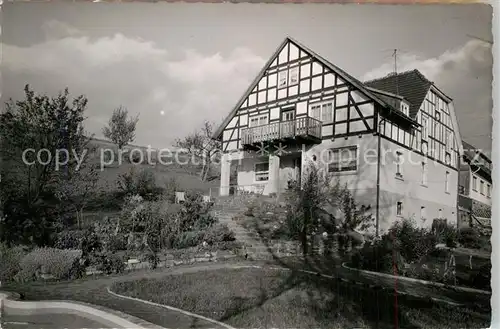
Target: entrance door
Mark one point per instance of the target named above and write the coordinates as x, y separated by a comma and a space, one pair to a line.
288, 115
287, 122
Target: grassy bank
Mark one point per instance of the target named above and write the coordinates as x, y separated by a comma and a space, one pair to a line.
270, 298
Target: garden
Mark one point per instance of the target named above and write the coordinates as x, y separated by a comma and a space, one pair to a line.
45, 230
326, 221
445, 256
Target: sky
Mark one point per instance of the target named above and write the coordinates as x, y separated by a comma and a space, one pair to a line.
178, 64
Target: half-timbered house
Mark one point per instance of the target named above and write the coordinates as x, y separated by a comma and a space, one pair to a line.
393, 141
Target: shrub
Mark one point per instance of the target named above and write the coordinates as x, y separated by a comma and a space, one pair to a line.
194, 214
117, 242
69, 239
381, 256
188, 239
450, 236
152, 258
10, 259
413, 243
482, 279
469, 238
111, 263
90, 245
218, 233
59, 263
142, 183
171, 186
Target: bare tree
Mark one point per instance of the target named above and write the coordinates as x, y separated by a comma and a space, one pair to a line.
200, 145
76, 188
121, 128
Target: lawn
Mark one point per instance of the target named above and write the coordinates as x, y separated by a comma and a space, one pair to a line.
259, 298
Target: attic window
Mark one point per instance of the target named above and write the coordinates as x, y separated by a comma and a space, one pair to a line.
282, 79
294, 76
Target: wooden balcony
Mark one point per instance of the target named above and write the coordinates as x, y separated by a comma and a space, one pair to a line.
305, 130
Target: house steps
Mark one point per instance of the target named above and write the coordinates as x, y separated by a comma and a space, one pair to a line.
226, 210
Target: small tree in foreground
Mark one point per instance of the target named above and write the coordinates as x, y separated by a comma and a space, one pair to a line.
305, 206
120, 129
319, 205
44, 126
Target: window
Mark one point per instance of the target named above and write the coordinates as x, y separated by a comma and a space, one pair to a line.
327, 112
398, 164
488, 191
282, 79
262, 172
399, 209
447, 158
448, 141
258, 120
316, 111
422, 213
447, 182
322, 112
440, 213
481, 187
294, 76
424, 174
436, 130
343, 159
424, 148
425, 132
474, 184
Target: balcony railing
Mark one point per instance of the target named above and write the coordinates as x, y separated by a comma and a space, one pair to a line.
305, 127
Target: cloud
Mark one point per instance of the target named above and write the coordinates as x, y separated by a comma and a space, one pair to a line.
138, 74
464, 74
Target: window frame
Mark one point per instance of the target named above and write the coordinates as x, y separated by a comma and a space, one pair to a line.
343, 172
424, 174
290, 75
399, 172
320, 106
425, 127
261, 172
399, 209
474, 183
258, 117
285, 73
447, 182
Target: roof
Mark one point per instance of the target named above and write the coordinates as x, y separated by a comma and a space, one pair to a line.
412, 85
470, 152
353, 81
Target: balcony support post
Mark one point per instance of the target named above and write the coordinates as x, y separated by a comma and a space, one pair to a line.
274, 174
225, 172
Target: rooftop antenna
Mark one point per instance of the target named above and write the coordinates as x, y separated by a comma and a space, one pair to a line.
395, 54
